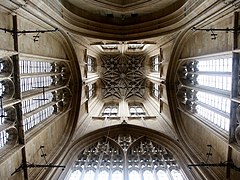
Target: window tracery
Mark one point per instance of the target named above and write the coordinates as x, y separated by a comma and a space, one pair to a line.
43, 84
8, 118
110, 110
36, 74
90, 64
155, 90
155, 63
136, 110
126, 157
204, 89
42, 77
44, 108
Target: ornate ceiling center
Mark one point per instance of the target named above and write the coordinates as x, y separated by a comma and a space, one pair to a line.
122, 76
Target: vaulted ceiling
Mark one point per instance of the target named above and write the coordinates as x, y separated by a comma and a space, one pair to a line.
123, 8
128, 20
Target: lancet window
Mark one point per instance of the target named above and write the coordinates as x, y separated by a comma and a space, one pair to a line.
155, 90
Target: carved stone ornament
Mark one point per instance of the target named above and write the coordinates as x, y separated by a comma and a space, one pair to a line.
237, 134
123, 76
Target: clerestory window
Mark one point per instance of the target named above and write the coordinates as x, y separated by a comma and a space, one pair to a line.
91, 90
136, 110
205, 89
110, 111
90, 64
155, 63
41, 78
155, 90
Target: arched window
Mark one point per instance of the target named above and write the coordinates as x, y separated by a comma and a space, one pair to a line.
110, 111
155, 90
91, 90
204, 90
90, 64
155, 63
126, 157
136, 110
42, 92
40, 78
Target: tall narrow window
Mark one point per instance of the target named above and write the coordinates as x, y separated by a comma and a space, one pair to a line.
205, 90
155, 63
155, 90
3, 138
90, 64
91, 90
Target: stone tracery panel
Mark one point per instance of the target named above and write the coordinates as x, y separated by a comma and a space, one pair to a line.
126, 154
123, 76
